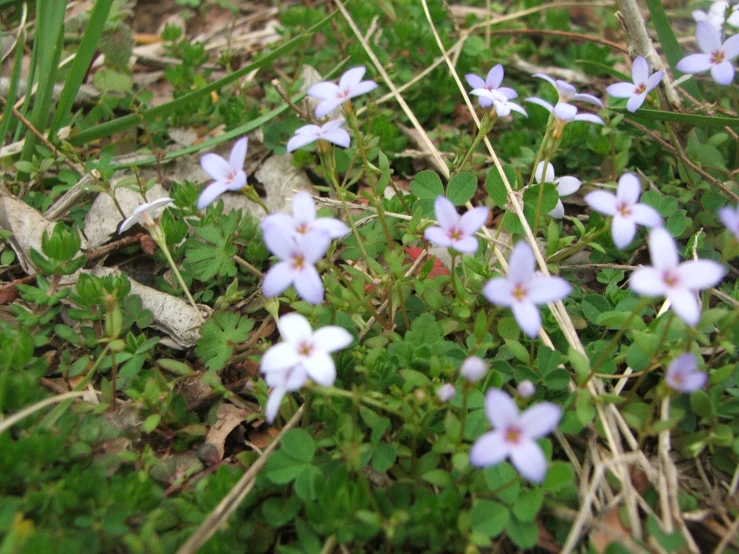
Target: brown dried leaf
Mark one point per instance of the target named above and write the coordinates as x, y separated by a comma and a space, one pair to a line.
229, 417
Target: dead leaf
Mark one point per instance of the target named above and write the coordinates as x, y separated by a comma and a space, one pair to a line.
229, 417
262, 439
611, 520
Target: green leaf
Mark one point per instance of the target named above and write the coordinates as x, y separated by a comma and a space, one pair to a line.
218, 336
489, 517
427, 185
299, 445
438, 477
560, 475
579, 363
522, 533
548, 200
282, 469
461, 188
383, 457
496, 187
616, 320
527, 506
151, 422
214, 256
701, 403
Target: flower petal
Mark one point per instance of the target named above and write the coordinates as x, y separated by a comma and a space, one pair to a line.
279, 240
238, 182
128, 223
498, 291
327, 106
279, 277
320, 368
304, 208
475, 81
731, 45
723, 73
540, 420
466, 245
655, 80
521, 263
601, 201
500, 409
473, 219
647, 281
238, 153
333, 125
589, 118
352, 77
694, 380
438, 237
547, 78
509, 93
273, 404
210, 193
565, 112
708, 37
558, 212
528, 317
298, 141
685, 305
335, 228
332, 338
635, 102
294, 328
645, 215
730, 218
215, 166
700, 274
490, 449
548, 176
629, 189
324, 91
279, 358
622, 231
568, 185
308, 284
312, 130
640, 70
362, 88
694, 63
540, 102
446, 213
588, 98
339, 137
542, 290
528, 459
662, 249
314, 245
495, 76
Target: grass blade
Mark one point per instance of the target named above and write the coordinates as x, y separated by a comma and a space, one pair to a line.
674, 117
8, 117
123, 123
48, 40
81, 62
669, 43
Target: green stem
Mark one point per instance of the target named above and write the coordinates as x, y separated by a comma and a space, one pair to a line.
340, 393
486, 126
577, 247
463, 411
453, 275
542, 146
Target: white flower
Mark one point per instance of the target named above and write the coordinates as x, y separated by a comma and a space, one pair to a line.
717, 13
523, 289
330, 131
715, 56
304, 219
454, 231
490, 84
333, 96
514, 435
625, 208
637, 91
226, 175
145, 214
565, 186
473, 369
567, 93
565, 113
677, 281
682, 374
303, 354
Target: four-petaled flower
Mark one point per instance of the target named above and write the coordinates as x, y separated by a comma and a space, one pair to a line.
226, 175
490, 93
716, 56
565, 186
145, 214
304, 219
730, 217
717, 13
637, 91
330, 131
523, 289
298, 257
333, 96
677, 281
567, 92
682, 374
454, 231
625, 208
303, 354
514, 435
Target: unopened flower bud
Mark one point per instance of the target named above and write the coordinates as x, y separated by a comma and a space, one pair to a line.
526, 389
473, 369
446, 392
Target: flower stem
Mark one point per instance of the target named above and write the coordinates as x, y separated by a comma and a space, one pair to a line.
453, 275
157, 233
486, 126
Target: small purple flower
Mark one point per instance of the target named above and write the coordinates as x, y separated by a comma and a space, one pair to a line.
523, 289
297, 266
514, 435
454, 231
145, 214
625, 208
226, 175
716, 56
473, 369
333, 96
683, 376
446, 392
637, 91
567, 93
565, 186
304, 219
730, 217
303, 354
490, 84
677, 281
526, 389
330, 131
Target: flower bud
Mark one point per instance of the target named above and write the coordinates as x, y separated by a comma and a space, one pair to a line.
526, 389
473, 369
446, 392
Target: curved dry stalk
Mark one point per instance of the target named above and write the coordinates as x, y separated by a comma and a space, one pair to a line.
30, 410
